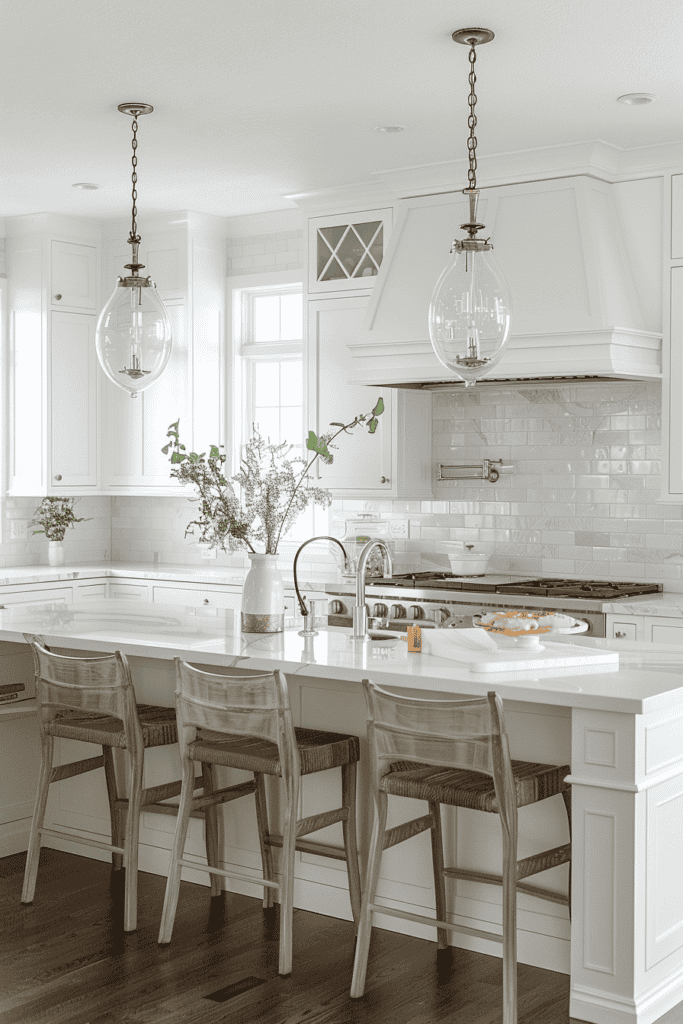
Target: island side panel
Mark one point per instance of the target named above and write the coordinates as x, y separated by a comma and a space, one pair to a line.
627, 922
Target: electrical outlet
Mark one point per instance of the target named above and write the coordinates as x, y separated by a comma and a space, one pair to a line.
208, 552
399, 529
18, 529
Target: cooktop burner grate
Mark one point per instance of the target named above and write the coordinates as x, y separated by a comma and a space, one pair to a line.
500, 584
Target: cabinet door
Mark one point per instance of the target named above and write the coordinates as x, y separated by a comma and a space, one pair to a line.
362, 462
664, 630
129, 591
37, 595
74, 276
196, 597
73, 394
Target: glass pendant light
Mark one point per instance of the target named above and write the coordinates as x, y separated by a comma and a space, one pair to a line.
133, 335
470, 311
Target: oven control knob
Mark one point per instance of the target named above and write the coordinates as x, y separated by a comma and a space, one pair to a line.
415, 612
439, 615
397, 612
336, 608
379, 610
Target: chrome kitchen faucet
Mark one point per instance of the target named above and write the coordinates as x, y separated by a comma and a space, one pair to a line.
360, 611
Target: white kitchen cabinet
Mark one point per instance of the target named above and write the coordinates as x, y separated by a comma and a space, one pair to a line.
346, 250
396, 460
672, 351
53, 378
660, 630
73, 276
36, 594
625, 627
185, 256
129, 591
197, 596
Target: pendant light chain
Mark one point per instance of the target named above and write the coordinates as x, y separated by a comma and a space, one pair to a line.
134, 237
472, 123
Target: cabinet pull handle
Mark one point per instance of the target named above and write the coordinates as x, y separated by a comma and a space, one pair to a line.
206, 600
384, 479
58, 297
619, 635
58, 476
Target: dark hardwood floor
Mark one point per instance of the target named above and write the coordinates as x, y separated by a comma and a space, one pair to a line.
65, 960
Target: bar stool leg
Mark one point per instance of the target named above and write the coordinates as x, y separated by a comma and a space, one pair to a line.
173, 882
349, 774
211, 826
287, 875
114, 813
439, 880
33, 853
266, 849
360, 962
130, 857
510, 925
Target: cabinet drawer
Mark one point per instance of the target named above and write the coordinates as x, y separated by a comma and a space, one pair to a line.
666, 634
624, 631
91, 592
37, 596
129, 591
201, 597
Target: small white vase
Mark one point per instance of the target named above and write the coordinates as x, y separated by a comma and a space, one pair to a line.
263, 596
55, 552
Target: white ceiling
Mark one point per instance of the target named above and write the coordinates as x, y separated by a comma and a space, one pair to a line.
256, 99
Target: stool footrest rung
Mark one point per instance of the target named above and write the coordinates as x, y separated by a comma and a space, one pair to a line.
544, 860
433, 923
317, 821
524, 887
67, 771
229, 874
407, 830
309, 846
74, 838
222, 796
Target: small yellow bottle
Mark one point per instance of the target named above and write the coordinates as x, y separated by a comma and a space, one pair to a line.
414, 640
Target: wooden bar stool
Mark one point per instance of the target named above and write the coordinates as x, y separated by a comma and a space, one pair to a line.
454, 752
92, 700
246, 722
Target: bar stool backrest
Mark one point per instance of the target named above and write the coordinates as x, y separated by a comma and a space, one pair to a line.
100, 685
254, 705
465, 734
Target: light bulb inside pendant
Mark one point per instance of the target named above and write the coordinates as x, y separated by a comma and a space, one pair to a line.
470, 312
133, 337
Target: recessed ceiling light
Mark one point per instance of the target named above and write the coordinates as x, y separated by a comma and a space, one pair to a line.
389, 128
87, 186
636, 99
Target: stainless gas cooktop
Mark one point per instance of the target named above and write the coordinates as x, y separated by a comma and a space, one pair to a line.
494, 584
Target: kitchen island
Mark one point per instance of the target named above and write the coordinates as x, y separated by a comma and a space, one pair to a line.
619, 726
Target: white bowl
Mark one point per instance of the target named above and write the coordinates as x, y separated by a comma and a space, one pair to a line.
468, 563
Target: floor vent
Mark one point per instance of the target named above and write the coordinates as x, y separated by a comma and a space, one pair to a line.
236, 989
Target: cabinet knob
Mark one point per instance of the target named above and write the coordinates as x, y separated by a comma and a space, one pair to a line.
58, 297
384, 479
206, 600
619, 635
58, 476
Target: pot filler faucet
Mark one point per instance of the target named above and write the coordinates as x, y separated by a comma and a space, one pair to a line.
301, 598
360, 611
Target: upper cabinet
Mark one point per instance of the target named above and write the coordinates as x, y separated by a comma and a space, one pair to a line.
53, 378
672, 391
346, 251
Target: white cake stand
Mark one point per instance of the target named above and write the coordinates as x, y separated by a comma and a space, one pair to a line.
528, 639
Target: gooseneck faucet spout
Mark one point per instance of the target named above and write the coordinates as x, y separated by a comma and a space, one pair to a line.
360, 611
301, 598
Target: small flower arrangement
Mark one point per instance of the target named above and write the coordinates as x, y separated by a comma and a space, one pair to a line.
54, 515
273, 484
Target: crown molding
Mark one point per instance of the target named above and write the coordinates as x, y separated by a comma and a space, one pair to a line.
593, 157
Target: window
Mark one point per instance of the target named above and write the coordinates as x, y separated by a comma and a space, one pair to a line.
269, 350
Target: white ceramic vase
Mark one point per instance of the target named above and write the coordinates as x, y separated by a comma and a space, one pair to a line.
55, 552
263, 596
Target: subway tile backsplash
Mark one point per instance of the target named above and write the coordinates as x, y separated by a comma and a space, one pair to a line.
582, 499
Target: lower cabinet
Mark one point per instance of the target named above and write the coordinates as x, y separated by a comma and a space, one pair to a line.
664, 631
625, 627
197, 596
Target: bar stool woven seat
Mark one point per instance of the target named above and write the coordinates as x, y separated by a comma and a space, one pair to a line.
158, 727
246, 722
318, 751
454, 752
460, 788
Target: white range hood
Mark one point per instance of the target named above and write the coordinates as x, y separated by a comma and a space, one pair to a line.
580, 268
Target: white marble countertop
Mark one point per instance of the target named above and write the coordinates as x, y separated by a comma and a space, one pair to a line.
666, 605
647, 677
210, 575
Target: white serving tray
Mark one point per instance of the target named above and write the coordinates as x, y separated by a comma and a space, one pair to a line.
480, 652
